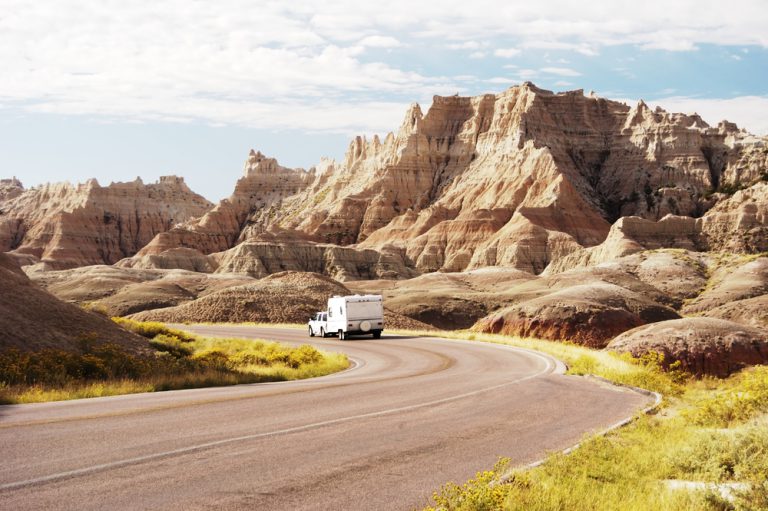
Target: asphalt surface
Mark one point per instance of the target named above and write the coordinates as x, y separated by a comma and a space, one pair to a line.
410, 415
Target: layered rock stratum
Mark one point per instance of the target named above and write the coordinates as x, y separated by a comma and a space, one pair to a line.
64, 226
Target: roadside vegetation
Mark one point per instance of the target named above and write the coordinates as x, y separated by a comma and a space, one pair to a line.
175, 360
706, 431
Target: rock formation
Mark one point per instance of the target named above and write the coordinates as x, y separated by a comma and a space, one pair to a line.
701, 345
518, 179
32, 319
65, 226
10, 189
737, 223
119, 291
590, 314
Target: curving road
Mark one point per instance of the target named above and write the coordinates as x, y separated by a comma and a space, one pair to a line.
412, 414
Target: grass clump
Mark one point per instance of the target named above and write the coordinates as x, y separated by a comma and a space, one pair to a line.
151, 329
178, 361
744, 396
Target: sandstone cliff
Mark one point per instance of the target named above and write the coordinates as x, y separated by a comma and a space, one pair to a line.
65, 226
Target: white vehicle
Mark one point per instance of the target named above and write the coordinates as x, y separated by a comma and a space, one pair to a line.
358, 314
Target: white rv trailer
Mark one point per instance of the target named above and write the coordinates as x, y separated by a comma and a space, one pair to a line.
356, 315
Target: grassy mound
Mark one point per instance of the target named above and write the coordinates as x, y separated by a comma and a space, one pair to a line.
179, 361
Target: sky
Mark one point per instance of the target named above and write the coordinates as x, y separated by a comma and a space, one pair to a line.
115, 90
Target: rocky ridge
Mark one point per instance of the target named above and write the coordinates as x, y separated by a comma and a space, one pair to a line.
64, 226
521, 179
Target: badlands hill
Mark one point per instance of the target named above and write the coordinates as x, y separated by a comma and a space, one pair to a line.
31, 318
65, 226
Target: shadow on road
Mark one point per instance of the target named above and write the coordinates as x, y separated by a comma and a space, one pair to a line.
383, 338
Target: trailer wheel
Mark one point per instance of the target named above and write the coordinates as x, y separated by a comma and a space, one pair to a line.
377, 334
311, 332
342, 335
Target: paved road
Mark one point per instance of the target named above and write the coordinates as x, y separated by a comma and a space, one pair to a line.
412, 414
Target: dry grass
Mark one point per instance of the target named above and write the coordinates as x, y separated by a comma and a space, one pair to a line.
180, 361
707, 430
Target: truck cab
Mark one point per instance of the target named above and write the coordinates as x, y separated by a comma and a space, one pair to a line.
356, 315
318, 324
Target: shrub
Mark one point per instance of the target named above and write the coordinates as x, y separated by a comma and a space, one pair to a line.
304, 355
180, 361
723, 456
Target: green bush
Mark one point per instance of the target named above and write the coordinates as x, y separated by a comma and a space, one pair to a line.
723, 456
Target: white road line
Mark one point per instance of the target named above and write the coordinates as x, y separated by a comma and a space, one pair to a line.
550, 365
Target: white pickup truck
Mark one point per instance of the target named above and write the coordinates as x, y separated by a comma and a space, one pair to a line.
358, 314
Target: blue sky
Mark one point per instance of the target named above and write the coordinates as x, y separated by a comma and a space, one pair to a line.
115, 90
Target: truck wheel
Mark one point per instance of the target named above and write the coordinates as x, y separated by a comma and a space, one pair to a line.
377, 334
311, 332
322, 332
342, 335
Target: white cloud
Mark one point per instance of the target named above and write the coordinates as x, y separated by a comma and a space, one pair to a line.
272, 64
380, 41
562, 83
477, 55
507, 52
526, 74
466, 45
584, 49
560, 71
